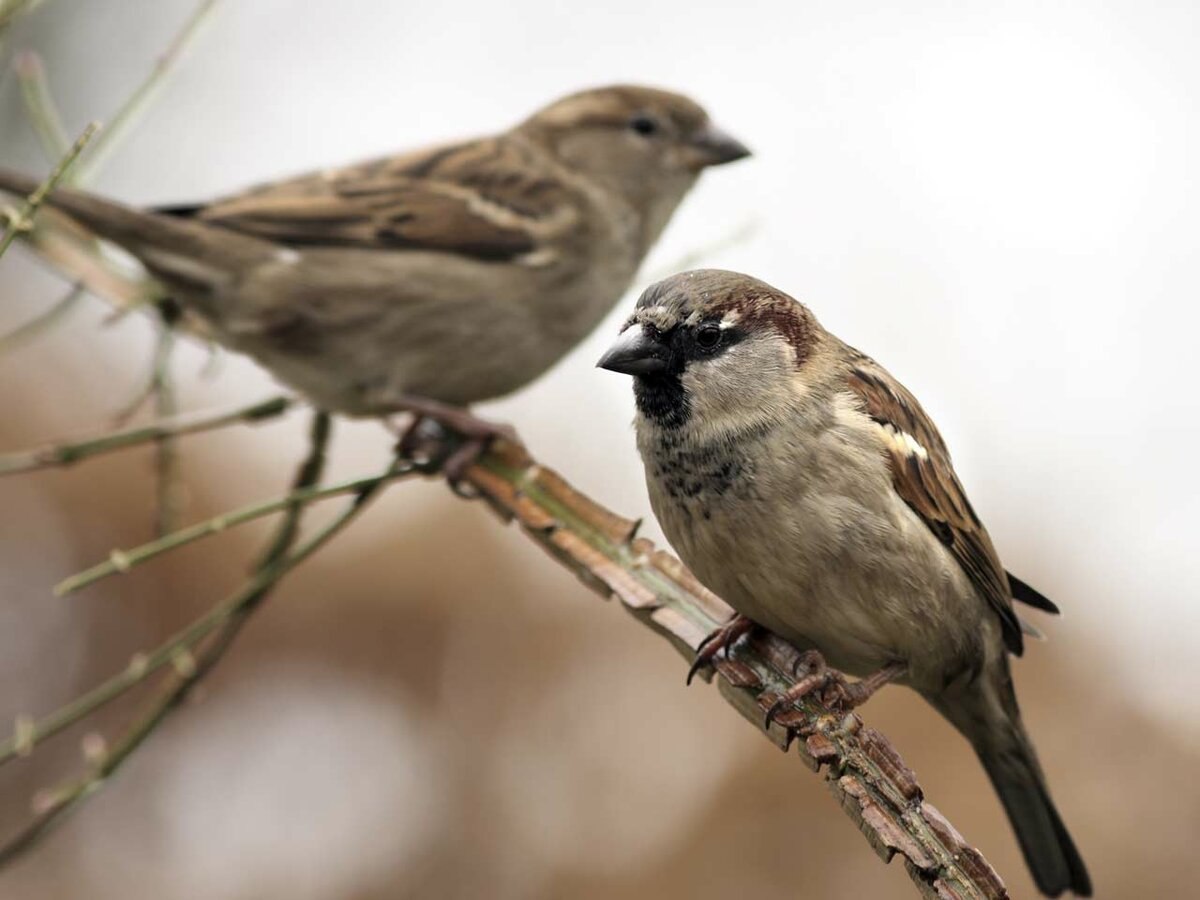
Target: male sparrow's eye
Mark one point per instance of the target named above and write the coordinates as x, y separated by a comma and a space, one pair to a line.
643, 125
708, 336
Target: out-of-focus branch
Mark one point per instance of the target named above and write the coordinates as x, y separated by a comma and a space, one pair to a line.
131, 110
68, 453
20, 220
40, 106
121, 561
864, 772
191, 657
160, 389
28, 733
65, 244
167, 482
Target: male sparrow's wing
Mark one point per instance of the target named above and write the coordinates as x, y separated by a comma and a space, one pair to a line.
1028, 595
924, 477
489, 199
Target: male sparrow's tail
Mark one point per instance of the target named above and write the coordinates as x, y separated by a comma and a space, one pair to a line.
988, 716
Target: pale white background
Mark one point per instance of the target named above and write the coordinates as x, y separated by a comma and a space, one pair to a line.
999, 202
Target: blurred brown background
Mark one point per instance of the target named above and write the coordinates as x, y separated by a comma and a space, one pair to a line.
1000, 206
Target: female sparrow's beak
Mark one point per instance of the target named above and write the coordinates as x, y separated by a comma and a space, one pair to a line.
636, 352
713, 147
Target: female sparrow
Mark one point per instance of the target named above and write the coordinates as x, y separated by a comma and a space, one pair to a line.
434, 279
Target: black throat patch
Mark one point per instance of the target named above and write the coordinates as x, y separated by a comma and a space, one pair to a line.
662, 399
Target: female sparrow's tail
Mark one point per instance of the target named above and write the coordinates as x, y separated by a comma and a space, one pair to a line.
172, 248
987, 714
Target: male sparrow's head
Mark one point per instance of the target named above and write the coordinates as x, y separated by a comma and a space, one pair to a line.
715, 350
647, 145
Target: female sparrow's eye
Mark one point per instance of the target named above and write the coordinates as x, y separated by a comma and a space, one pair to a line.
643, 125
708, 336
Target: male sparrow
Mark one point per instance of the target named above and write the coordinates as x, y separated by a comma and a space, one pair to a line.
806, 486
434, 279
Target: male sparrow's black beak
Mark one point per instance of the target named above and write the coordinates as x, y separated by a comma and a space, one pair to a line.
636, 352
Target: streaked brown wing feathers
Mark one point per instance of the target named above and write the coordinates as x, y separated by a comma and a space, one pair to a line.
481, 199
924, 477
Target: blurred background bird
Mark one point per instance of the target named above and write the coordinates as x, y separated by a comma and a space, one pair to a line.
1004, 192
808, 488
437, 278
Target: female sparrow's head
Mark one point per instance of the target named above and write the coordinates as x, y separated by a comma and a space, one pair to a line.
715, 350
645, 144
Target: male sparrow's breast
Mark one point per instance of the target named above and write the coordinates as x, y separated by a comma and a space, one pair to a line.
800, 532
705, 496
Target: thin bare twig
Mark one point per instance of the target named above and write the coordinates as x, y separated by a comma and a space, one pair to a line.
160, 388
191, 666
121, 561
145, 664
69, 453
131, 110
140, 667
20, 220
168, 486
40, 106
148, 389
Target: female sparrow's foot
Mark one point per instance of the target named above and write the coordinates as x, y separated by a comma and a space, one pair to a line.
456, 439
721, 639
836, 689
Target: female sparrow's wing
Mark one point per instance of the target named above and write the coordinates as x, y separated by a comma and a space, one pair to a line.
924, 477
488, 199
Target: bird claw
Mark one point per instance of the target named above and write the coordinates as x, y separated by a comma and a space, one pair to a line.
450, 440
720, 639
836, 691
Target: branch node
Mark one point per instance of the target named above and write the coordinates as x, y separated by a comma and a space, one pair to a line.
94, 748
184, 663
13, 218
24, 734
139, 663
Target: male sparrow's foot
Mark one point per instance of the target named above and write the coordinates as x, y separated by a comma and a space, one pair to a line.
721, 639
836, 689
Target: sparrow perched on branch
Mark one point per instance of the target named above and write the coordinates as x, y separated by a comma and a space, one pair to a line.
807, 487
434, 279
